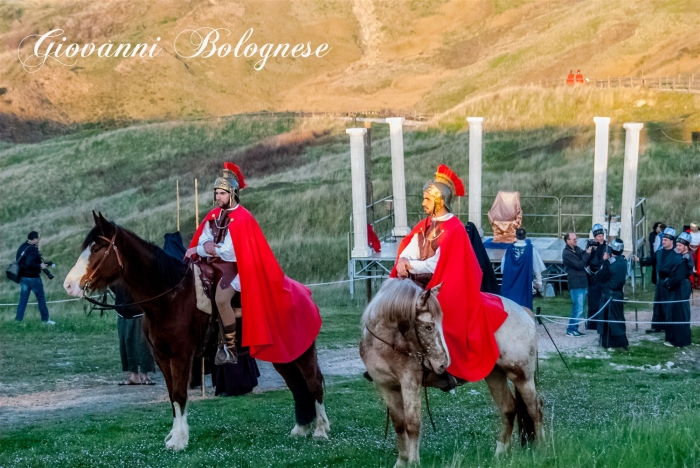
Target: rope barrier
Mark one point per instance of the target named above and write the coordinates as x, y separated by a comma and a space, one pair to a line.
48, 302
330, 282
79, 298
558, 322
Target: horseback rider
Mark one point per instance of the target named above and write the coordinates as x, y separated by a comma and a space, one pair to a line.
280, 319
214, 246
438, 251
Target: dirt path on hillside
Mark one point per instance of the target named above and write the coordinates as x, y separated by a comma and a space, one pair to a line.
370, 30
105, 396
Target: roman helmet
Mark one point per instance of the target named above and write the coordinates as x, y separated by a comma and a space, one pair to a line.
443, 187
231, 181
617, 246
684, 238
669, 233
598, 229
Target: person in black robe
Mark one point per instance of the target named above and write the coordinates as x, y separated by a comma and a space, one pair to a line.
656, 230
664, 259
489, 283
612, 277
239, 378
595, 263
134, 350
678, 334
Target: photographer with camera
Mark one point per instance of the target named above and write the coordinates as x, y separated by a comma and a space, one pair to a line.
596, 247
30, 267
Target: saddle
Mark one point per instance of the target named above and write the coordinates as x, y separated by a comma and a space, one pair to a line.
204, 278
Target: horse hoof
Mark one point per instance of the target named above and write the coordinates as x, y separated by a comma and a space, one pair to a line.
301, 431
320, 433
172, 443
501, 448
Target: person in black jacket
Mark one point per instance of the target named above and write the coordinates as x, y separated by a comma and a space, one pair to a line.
612, 277
575, 261
30, 266
597, 248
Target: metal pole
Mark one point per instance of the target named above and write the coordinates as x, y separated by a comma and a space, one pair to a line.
196, 225
204, 387
196, 205
177, 191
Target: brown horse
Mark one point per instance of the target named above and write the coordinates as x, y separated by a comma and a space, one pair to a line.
402, 341
164, 289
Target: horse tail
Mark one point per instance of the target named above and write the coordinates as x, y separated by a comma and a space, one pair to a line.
526, 426
304, 401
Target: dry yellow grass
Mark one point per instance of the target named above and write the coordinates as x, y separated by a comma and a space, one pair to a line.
422, 55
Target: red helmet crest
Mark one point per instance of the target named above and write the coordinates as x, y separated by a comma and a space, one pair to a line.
446, 176
237, 171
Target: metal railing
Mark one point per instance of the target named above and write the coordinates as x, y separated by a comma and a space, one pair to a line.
680, 83
553, 218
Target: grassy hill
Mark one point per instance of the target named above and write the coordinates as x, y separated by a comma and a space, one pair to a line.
298, 171
428, 55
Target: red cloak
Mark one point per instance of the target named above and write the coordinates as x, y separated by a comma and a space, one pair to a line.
470, 317
280, 319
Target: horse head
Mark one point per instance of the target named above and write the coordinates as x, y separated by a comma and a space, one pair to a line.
428, 329
100, 264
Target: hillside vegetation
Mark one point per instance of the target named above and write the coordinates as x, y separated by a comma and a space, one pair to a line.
427, 55
298, 171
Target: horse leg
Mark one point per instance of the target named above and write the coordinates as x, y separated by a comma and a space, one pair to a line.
164, 365
529, 410
498, 386
304, 408
308, 366
410, 392
393, 398
179, 436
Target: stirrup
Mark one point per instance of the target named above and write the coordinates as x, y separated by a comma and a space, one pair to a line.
451, 383
225, 355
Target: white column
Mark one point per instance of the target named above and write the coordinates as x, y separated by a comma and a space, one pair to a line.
359, 206
475, 148
398, 176
629, 182
600, 169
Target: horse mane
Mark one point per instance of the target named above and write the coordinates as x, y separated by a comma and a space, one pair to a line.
170, 269
396, 302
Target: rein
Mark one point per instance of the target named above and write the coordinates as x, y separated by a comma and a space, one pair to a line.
417, 355
111, 246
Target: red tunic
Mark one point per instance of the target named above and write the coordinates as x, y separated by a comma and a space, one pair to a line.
470, 317
280, 319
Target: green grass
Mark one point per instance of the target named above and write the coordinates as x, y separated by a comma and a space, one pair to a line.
601, 416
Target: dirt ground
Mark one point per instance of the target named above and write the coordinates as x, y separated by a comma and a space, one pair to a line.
336, 364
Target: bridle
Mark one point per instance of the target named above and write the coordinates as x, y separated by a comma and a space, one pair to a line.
420, 355
113, 247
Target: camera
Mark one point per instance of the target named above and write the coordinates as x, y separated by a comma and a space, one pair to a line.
592, 243
46, 270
